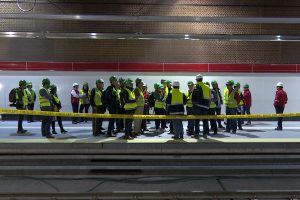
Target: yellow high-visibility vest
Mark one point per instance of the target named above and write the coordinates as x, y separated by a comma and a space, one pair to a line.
132, 105
140, 100
229, 99
98, 97
241, 101
44, 102
24, 98
177, 97
57, 100
189, 102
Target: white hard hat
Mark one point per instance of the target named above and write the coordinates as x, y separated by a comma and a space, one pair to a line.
279, 84
176, 84
199, 76
75, 84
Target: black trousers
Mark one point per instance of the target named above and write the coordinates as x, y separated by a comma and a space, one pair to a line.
120, 122
158, 122
97, 122
30, 107
20, 120
75, 107
86, 109
112, 110
46, 121
59, 121
213, 122
279, 110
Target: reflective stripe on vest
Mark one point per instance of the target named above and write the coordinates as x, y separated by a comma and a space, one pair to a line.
206, 93
241, 101
31, 94
57, 100
229, 99
140, 100
84, 98
75, 99
131, 97
177, 97
98, 96
212, 102
117, 92
189, 102
25, 98
44, 102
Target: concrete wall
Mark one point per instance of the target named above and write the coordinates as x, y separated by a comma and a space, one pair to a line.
262, 86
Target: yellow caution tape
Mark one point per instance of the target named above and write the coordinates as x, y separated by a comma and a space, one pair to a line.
121, 116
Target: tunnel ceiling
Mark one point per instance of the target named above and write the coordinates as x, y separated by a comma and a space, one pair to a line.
210, 8
212, 41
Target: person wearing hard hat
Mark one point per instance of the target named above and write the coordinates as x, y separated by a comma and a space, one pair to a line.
231, 101
140, 101
75, 96
237, 86
176, 101
157, 100
21, 104
211, 111
280, 101
189, 108
219, 102
247, 102
31, 100
56, 107
85, 100
200, 99
130, 105
112, 97
97, 101
46, 104
146, 107
121, 122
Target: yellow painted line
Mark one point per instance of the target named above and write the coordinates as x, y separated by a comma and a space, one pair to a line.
107, 116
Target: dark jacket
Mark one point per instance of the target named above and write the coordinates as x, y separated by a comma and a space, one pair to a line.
125, 96
175, 109
19, 102
92, 102
111, 97
198, 98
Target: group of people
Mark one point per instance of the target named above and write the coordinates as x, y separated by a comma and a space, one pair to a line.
122, 97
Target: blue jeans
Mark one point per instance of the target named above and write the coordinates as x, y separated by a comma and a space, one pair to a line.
191, 122
201, 111
128, 122
279, 110
231, 124
178, 127
246, 110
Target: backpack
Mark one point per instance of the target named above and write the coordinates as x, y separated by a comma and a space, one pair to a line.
12, 95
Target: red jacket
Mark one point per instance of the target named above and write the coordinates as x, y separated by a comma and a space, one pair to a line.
280, 98
247, 98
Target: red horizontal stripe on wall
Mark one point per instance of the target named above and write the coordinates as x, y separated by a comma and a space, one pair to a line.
185, 67
55, 66
15, 66
230, 67
273, 68
87, 66
141, 67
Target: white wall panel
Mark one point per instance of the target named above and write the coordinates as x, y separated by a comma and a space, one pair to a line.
262, 86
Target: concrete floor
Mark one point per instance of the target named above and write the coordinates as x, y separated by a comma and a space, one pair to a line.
82, 133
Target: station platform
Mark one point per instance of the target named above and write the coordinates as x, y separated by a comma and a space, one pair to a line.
82, 133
